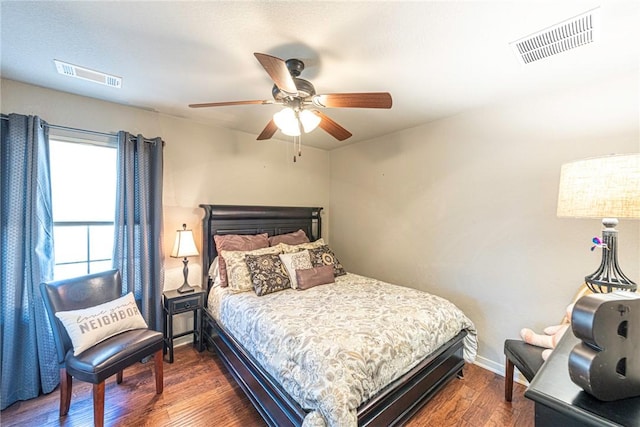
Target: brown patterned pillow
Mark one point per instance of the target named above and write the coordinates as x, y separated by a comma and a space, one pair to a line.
310, 277
268, 273
324, 256
295, 238
237, 271
236, 242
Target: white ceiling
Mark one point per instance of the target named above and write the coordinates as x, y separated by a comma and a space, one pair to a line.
436, 58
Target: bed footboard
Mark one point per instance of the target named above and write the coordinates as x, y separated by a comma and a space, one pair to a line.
275, 406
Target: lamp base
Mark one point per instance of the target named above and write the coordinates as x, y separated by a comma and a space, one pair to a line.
185, 288
609, 277
185, 271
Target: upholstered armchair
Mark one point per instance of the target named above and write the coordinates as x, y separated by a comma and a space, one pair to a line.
86, 309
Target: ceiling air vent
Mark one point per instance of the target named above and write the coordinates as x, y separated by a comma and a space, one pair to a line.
87, 74
580, 30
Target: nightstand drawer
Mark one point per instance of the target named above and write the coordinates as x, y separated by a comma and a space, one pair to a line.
185, 304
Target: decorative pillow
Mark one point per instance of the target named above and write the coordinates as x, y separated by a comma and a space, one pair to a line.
237, 242
268, 273
295, 238
324, 256
302, 246
237, 271
89, 326
315, 276
296, 261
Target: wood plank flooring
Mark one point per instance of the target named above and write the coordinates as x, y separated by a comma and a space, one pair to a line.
198, 391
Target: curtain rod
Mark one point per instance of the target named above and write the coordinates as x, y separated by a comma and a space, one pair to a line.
92, 132
59, 127
72, 129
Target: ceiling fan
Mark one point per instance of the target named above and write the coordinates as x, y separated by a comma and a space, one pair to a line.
301, 102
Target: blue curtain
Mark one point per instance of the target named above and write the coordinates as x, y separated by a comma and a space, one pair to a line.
137, 250
29, 362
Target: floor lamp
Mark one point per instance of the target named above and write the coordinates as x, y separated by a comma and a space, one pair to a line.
607, 188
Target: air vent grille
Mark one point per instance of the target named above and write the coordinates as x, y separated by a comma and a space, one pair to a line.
578, 31
87, 74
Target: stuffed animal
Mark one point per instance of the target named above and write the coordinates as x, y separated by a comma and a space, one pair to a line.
551, 336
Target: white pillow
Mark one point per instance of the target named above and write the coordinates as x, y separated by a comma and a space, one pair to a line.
296, 261
214, 273
89, 326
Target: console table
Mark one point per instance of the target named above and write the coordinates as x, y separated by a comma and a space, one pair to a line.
560, 402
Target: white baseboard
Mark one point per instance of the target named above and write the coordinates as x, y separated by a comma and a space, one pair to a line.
187, 339
499, 369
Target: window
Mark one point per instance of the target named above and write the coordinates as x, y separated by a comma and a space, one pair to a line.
83, 186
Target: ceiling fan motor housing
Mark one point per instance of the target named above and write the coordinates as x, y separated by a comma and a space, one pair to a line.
295, 66
305, 90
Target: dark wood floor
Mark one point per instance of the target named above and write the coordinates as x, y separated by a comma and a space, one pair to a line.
199, 392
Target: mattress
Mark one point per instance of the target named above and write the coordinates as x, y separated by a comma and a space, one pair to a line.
332, 347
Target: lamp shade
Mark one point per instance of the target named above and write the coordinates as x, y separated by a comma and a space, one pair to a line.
184, 244
287, 121
309, 120
603, 187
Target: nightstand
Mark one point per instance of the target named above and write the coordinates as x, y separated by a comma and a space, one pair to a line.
176, 303
561, 402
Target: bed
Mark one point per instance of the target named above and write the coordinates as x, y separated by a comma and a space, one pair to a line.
273, 390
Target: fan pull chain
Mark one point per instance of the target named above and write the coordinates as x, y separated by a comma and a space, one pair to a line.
297, 140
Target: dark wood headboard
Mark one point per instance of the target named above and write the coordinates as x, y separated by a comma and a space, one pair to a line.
273, 220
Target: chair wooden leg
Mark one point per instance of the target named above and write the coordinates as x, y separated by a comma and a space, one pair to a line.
119, 377
98, 404
508, 381
66, 383
159, 370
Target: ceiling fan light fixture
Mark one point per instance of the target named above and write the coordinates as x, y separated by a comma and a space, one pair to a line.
287, 122
309, 120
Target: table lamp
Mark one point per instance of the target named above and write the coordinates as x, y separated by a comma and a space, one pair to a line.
607, 188
184, 246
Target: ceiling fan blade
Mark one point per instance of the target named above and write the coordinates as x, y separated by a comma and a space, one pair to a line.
331, 127
278, 71
268, 131
224, 104
354, 100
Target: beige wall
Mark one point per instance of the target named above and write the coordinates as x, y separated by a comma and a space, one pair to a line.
202, 163
466, 207
462, 207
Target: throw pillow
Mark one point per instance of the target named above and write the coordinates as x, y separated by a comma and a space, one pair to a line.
237, 271
296, 261
89, 326
268, 273
315, 276
236, 242
325, 256
295, 238
302, 246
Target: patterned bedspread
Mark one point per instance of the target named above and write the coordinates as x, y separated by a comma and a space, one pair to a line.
334, 346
